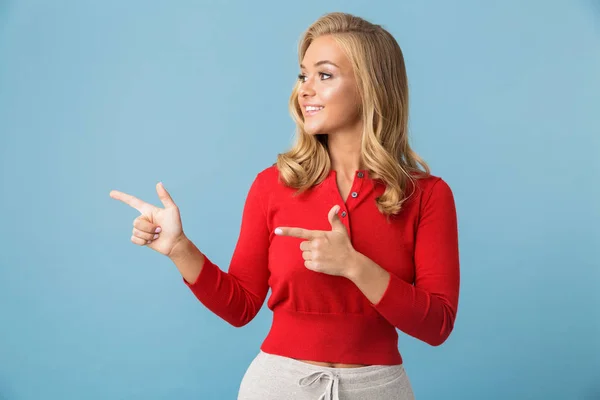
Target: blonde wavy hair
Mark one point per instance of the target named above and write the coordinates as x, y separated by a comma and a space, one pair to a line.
380, 74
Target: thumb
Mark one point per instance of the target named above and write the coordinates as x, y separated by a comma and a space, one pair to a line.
164, 196
334, 219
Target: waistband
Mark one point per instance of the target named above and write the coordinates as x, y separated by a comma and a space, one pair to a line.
340, 338
352, 378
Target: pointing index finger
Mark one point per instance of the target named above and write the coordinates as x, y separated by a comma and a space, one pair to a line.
130, 200
298, 233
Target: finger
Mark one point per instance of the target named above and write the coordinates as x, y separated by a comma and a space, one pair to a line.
307, 255
306, 245
138, 241
144, 225
144, 235
299, 233
334, 220
164, 196
130, 200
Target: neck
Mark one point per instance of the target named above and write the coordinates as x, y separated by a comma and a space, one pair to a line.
345, 153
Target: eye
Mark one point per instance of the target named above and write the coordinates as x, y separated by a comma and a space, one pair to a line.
324, 76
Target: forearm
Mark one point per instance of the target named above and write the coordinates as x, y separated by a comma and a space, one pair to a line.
188, 259
235, 296
415, 311
370, 278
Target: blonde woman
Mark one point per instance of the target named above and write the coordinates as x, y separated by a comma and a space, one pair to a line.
349, 229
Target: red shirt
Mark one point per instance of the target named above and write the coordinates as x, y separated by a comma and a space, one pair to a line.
327, 318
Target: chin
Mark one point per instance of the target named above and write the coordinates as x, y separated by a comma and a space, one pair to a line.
312, 131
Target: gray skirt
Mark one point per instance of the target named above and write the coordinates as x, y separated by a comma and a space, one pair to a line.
273, 377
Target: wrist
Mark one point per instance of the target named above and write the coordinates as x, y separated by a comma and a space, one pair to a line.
356, 266
371, 279
180, 247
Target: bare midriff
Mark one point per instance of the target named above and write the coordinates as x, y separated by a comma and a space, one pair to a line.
333, 365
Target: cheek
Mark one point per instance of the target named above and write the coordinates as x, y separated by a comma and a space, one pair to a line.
341, 108
343, 98
345, 109
331, 94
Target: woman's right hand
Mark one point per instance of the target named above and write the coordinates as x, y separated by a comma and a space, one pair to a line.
167, 220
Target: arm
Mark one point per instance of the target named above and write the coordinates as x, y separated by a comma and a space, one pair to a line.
188, 259
236, 295
428, 309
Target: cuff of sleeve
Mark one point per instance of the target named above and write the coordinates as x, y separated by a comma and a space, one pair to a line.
397, 296
206, 277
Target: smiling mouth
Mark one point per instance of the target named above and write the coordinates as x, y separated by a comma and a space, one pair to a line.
310, 110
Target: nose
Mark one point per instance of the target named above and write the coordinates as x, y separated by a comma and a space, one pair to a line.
306, 88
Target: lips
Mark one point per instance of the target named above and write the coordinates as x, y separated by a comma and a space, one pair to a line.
312, 109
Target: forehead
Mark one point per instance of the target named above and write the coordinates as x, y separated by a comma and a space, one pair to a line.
324, 48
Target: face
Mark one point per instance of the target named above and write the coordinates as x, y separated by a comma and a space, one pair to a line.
328, 95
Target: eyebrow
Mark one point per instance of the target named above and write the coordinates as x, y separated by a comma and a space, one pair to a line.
321, 63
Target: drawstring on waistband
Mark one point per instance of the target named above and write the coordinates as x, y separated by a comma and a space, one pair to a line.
332, 391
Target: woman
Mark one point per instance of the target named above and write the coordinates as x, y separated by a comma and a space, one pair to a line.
353, 238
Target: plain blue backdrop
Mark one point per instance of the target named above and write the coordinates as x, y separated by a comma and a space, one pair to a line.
95, 96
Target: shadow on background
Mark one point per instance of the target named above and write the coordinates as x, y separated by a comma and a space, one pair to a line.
5, 392
594, 394
595, 11
5, 8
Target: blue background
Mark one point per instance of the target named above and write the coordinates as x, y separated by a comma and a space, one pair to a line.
95, 96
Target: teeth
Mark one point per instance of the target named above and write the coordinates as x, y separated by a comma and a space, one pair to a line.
311, 108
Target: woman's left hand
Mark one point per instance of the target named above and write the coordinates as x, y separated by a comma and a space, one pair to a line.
330, 252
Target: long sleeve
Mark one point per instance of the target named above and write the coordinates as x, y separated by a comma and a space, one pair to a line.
428, 309
237, 295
